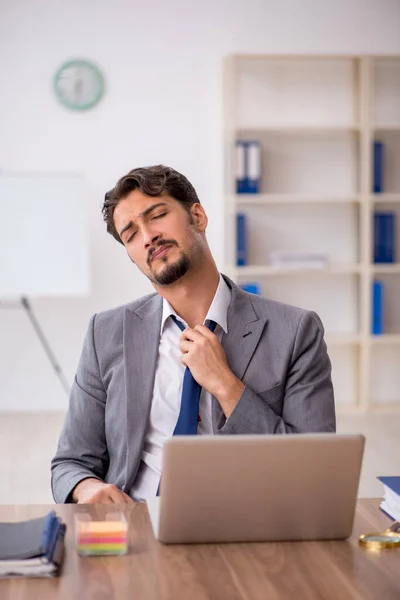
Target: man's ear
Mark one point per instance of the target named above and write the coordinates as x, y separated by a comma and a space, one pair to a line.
200, 219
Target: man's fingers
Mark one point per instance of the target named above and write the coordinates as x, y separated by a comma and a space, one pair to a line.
113, 495
100, 497
117, 496
107, 494
191, 335
185, 346
204, 331
125, 499
200, 335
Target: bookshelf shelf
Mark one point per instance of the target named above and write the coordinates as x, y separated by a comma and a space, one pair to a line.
385, 198
245, 199
316, 119
383, 128
385, 339
388, 268
294, 129
270, 270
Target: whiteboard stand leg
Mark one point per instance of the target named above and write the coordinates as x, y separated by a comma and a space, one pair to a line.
50, 354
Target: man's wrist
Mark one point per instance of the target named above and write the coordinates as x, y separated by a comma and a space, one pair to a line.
83, 485
229, 394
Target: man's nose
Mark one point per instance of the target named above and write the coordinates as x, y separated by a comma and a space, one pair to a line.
150, 238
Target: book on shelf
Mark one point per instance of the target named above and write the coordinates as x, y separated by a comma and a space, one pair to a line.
391, 496
378, 157
32, 548
248, 167
241, 240
298, 260
377, 307
384, 237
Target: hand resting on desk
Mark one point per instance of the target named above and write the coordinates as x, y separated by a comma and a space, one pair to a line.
93, 491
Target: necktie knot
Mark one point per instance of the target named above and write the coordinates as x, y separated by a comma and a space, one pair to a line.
209, 323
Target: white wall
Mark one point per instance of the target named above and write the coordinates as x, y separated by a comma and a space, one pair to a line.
163, 66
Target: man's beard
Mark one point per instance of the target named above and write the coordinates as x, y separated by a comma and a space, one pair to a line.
171, 272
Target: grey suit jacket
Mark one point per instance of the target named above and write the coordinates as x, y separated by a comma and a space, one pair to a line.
276, 350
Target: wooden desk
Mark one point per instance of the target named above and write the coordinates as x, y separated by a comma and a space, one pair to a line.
303, 570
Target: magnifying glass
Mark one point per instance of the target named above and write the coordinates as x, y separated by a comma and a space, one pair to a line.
390, 538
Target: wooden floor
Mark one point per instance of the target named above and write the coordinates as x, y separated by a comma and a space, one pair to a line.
28, 442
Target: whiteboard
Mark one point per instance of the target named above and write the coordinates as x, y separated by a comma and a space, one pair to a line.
43, 235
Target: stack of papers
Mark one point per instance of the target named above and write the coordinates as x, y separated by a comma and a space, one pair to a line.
32, 548
391, 499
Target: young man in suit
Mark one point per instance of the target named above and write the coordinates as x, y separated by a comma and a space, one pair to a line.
262, 366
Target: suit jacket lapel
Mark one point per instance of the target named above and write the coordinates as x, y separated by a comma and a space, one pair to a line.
244, 332
141, 341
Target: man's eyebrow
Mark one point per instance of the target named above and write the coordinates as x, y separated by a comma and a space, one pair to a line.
151, 208
145, 213
127, 226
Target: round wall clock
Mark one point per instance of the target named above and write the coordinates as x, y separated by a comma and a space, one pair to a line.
79, 84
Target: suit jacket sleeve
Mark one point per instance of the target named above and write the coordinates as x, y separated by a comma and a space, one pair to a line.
308, 403
82, 449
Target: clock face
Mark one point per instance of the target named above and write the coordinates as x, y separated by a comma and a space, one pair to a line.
78, 84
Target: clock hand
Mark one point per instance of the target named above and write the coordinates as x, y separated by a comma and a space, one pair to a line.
78, 86
78, 89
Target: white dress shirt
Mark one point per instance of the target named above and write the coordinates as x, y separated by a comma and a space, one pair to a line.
167, 392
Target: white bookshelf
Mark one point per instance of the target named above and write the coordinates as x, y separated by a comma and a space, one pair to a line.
316, 118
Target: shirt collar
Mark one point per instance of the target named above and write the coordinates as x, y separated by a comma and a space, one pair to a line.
217, 312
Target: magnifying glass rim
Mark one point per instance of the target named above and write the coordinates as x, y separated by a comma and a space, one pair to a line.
389, 540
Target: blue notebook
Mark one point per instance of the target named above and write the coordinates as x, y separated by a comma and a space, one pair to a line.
393, 483
32, 548
391, 498
27, 539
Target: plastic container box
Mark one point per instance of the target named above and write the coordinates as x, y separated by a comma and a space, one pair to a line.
95, 537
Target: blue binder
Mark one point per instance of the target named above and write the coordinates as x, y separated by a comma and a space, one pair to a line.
384, 237
240, 152
379, 227
248, 167
390, 237
378, 167
241, 240
377, 308
253, 167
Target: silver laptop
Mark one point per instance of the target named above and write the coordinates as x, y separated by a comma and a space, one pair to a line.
255, 488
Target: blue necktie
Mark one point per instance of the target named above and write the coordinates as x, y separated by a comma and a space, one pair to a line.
190, 400
189, 411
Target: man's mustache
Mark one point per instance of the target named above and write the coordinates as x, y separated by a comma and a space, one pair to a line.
157, 247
